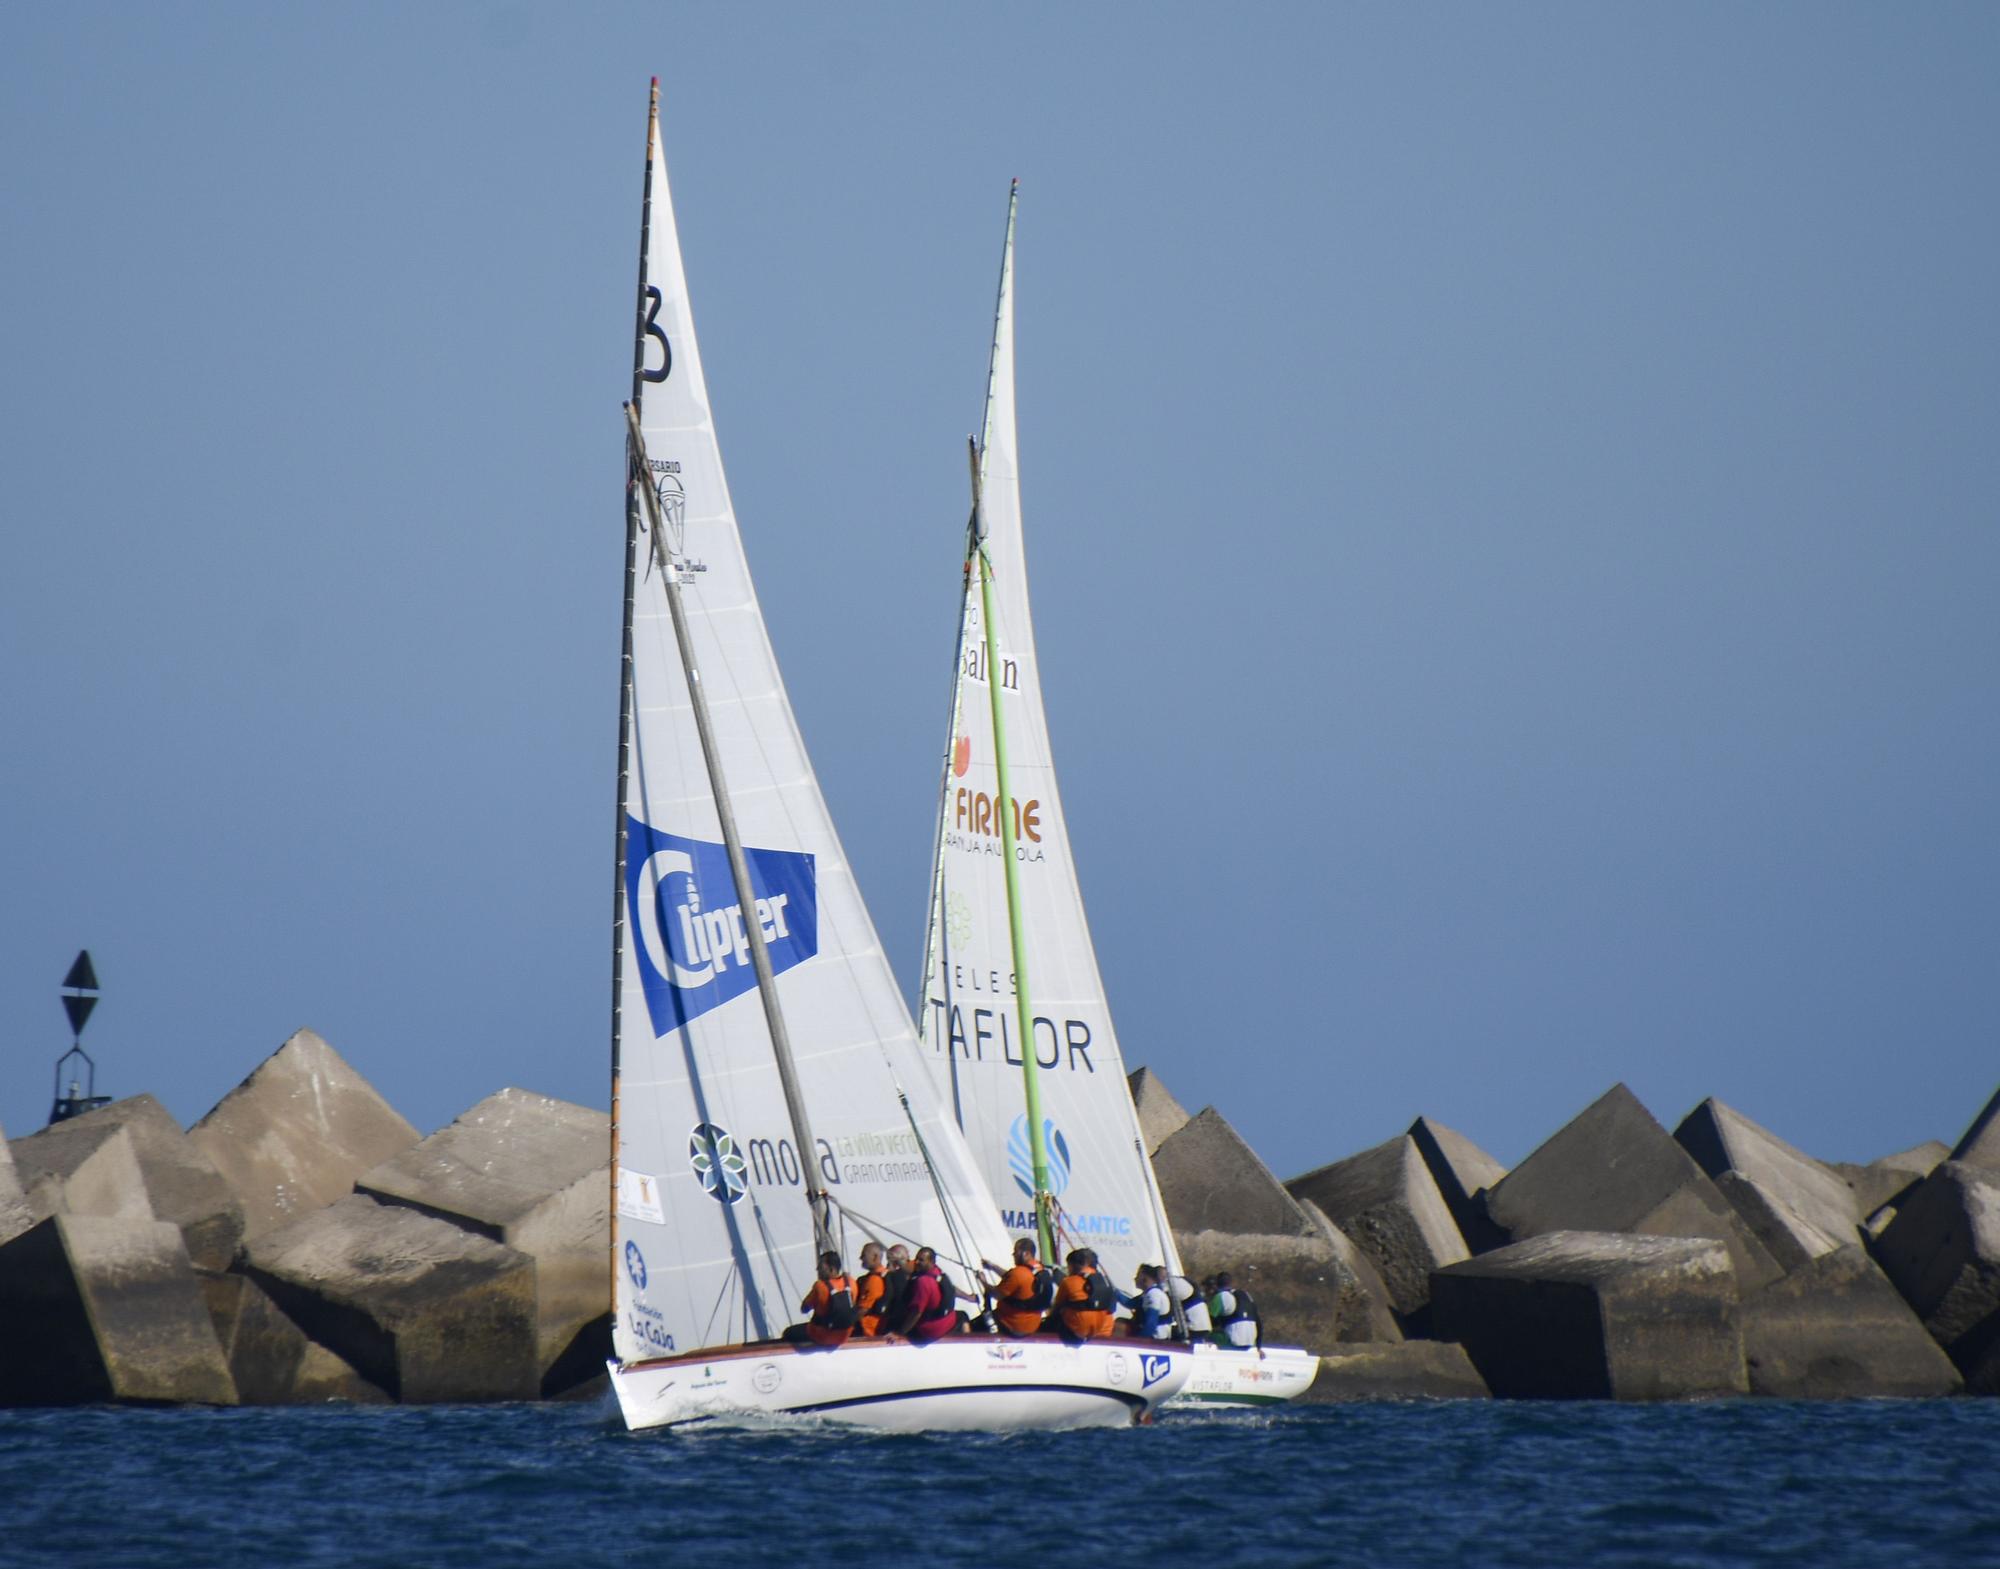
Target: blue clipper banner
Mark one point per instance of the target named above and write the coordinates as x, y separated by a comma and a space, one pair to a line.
688, 928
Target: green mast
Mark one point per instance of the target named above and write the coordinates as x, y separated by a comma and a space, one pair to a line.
1024, 1013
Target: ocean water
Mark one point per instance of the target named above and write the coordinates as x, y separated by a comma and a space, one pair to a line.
1466, 1484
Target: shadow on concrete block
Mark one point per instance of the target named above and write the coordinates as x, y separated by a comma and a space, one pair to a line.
533, 1173
1385, 1201
1463, 1172
1942, 1251
1597, 1316
270, 1358
1796, 1207
421, 1308
181, 1184
1836, 1329
99, 1308
94, 1171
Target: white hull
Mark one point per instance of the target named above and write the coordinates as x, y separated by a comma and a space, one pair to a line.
1262, 1376
965, 1382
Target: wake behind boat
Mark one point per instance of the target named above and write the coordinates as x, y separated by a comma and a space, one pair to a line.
736, 1162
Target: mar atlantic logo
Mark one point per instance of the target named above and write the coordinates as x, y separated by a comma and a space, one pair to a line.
1021, 1159
693, 946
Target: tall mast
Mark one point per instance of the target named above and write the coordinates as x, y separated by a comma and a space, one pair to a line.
633, 483
739, 868
1024, 1013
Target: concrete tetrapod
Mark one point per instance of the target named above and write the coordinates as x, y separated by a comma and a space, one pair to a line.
1881, 1184
1306, 1292
1836, 1329
270, 1358
1160, 1115
96, 1308
1211, 1180
1797, 1207
15, 1215
533, 1173
293, 1136
180, 1183
1981, 1144
423, 1309
1579, 1315
1386, 1202
93, 1172
1943, 1253
1462, 1171
1613, 1168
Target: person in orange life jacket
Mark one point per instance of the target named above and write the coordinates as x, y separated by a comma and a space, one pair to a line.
1086, 1299
1026, 1292
870, 1289
831, 1304
930, 1309
1238, 1324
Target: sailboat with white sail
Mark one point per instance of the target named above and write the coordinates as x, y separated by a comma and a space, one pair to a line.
742, 1149
1012, 1009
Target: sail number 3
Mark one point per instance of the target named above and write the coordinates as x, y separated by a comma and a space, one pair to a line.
655, 331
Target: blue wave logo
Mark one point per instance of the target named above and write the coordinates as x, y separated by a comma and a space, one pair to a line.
1021, 1159
690, 937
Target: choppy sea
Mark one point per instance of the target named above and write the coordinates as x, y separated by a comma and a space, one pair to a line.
1874, 1483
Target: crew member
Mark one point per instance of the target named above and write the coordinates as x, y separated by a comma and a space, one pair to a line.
1026, 1292
1086, 1299
1237, 1322
930, 1310
895, 1286
870, 1289
1194, 1304
1152, 1313
831, 1306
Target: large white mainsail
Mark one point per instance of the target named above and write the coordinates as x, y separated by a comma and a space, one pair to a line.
1097, 1171
713, 1236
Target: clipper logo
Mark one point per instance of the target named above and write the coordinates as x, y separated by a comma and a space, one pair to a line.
1021, 1160
693, 948
1152, 1370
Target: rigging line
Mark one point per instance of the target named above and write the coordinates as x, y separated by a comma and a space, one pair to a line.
878, 1230
944, 1202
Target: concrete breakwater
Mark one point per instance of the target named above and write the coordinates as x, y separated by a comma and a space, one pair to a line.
303, 1242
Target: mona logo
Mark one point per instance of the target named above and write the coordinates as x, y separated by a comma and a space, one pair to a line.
1021, 1159
692, 942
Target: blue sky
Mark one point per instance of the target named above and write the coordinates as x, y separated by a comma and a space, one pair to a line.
1510, 496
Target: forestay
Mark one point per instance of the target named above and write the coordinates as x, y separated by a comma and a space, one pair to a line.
967, 1015
713, 1235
